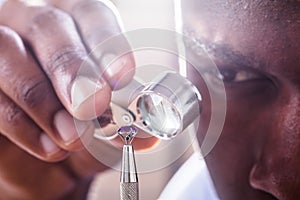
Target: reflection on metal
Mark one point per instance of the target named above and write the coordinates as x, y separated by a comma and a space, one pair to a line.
111, 120
129, 189
162, 108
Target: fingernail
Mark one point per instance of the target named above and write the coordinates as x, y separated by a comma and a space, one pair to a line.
48, 145
113, 65
83, 88
65, 125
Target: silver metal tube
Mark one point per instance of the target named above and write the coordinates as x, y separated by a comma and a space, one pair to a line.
129, 189
168, 105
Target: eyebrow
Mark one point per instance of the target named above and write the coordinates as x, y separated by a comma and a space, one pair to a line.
220, 51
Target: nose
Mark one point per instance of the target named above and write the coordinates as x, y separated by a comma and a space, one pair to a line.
277, 168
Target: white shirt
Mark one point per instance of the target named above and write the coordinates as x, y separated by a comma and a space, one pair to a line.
191, 182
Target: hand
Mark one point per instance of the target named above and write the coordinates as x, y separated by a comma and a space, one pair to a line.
40, 60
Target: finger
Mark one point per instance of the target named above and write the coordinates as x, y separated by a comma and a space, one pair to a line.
22, 131
60, 51
101, 31
22, 80
25, 177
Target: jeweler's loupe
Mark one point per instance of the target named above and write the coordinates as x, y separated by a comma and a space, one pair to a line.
159, 101
162, 108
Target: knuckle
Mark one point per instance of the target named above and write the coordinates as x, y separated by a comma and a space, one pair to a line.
45, 18
9, 39
14, 115
11, 113
33, 92
5, 33
91, 5
65, 61
86, 11
92, 31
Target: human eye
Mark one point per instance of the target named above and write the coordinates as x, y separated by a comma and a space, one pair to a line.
231, 76
239, 75
241, 82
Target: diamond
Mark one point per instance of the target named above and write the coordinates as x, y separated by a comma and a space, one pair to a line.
127, 133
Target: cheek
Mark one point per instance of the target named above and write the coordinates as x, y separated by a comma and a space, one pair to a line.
247, 109
247, 117
278, 166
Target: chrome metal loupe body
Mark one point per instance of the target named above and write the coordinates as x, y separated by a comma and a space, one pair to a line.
163, 107
166, 106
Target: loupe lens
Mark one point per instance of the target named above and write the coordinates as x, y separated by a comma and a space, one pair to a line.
166, 106
159, 115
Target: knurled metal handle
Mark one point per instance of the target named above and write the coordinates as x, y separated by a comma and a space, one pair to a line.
129, 191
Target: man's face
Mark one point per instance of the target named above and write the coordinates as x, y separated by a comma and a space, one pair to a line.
256, 46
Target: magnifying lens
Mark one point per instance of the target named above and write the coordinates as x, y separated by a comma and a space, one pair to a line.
162, 108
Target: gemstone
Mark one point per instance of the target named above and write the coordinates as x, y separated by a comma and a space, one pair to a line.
127, 133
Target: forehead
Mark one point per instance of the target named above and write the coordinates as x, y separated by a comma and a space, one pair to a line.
266, 30
281, 17
277, 10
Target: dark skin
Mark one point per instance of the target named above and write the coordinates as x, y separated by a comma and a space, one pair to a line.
42, 48
256, 46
